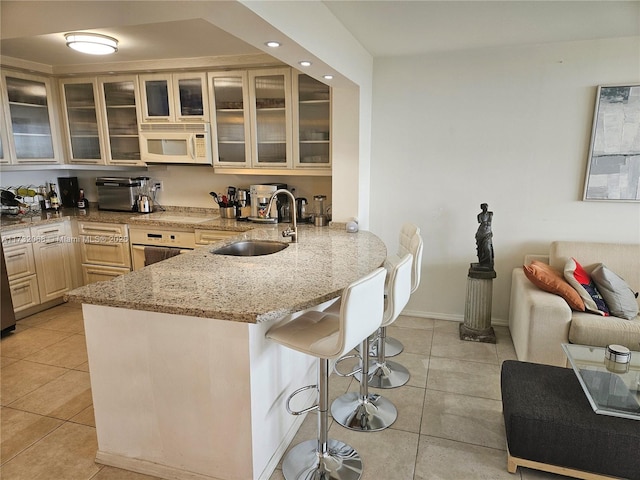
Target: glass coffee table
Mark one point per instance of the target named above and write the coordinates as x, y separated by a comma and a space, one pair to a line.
611, 389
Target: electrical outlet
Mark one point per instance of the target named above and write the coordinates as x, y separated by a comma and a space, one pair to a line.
158, 186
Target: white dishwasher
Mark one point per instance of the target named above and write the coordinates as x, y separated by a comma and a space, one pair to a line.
174, 239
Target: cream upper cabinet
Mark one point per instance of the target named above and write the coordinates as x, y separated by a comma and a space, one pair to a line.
84, 125
4, 139
174, 97
29, 120
271, 118
120, 98
231, 135
312, 122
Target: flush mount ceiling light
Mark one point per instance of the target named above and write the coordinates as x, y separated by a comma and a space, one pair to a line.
91, 43
305, 63
328, 77
272, 44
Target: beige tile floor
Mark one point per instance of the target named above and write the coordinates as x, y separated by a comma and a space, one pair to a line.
449, 424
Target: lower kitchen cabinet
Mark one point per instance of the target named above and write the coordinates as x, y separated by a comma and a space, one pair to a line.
104, 251
21, 269
54, 259
39, 265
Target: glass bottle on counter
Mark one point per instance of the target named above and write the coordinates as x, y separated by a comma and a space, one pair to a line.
82, 202
53, 197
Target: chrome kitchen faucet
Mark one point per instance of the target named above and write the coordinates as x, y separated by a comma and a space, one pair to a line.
293, 230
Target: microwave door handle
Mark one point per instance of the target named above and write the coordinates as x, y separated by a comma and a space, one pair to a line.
192, 145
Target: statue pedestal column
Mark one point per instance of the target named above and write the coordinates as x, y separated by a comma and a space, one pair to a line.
477, 313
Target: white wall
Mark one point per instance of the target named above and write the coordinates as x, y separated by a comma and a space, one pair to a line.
510, 127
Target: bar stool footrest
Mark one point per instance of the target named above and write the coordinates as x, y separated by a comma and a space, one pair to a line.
300, 390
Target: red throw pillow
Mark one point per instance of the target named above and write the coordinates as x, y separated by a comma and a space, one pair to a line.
579, 279
550, 280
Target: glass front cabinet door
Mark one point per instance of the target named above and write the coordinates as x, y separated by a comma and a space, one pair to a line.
270, 94
84, 125
31, 135
174, 97
231, 137
120, 116
312, 110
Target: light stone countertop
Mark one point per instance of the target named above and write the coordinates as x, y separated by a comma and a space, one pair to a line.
245, 289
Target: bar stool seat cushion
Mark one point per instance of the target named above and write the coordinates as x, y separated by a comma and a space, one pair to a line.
314, 333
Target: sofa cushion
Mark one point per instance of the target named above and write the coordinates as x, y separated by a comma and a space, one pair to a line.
618, 295
581, 281
587, 329
622, 258
550, 280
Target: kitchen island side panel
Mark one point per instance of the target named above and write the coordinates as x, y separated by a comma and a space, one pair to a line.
276, 372
170, 391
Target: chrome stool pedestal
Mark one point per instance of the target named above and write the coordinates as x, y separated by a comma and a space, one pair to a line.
363, 411
392, 346
385, 373
322, 458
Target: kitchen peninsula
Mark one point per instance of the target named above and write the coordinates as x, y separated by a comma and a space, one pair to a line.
184, 383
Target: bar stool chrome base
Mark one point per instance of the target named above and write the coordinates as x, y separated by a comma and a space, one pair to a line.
305, 462
387, 375
365, 414
392, 346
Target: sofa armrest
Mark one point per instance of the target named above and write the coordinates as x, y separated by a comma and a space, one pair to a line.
539, 322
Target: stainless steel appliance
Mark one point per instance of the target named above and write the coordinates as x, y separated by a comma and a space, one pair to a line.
176, 143
119, 193
260, 212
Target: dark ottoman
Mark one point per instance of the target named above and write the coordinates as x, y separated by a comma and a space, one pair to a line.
551, 426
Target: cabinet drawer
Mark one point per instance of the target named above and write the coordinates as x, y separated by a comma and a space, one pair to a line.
99, 273
49, 231
115, 254
102, 229
205, 237
19, 260
24, 293
15, 237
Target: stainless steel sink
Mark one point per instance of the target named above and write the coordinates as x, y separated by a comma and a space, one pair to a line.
251, 248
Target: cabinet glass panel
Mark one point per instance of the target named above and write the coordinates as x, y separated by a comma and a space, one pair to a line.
314, 116
83, 123
271, 119
30, 121
230, 119
1, 150
190, 90
157, 92
122, 120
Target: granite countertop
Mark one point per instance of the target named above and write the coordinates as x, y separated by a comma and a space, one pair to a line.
174, 217
245, 289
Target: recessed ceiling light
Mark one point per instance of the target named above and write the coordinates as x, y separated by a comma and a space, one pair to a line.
305, 63
328, 77
272, 44
91, 43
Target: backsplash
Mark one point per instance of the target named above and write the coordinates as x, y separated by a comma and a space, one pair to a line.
183, 186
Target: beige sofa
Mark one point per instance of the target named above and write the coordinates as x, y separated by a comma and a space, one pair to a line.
540, 321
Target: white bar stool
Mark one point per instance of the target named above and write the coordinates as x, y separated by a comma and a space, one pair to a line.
366, 411
386, 373
327, 336
409, 243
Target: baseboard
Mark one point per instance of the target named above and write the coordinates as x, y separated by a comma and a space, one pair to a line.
148, 468
498, 322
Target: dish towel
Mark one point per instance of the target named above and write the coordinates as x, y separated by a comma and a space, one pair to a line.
158, 254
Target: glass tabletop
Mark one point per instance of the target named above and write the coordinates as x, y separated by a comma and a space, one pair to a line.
609, 390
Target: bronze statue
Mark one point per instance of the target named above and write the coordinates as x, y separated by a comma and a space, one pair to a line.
484, 243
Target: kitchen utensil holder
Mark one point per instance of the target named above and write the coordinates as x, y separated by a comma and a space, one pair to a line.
227, 212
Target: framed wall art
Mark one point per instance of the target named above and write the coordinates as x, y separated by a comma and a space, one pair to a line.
613, 167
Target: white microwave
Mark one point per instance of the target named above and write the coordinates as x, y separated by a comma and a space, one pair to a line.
176, 143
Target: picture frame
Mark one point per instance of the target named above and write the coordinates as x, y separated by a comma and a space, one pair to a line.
613, 166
